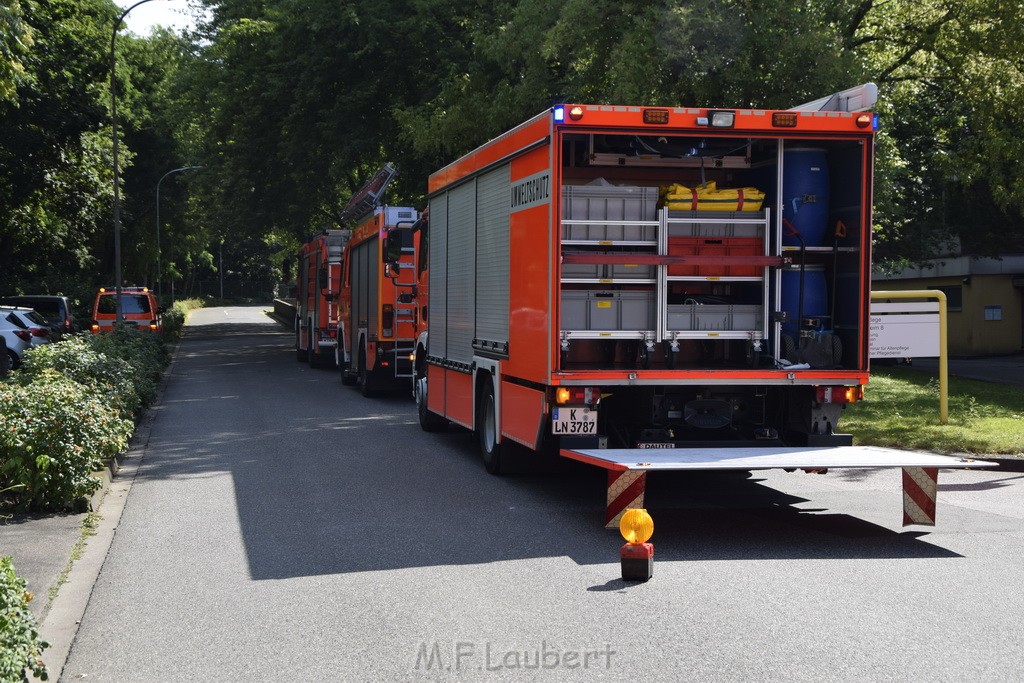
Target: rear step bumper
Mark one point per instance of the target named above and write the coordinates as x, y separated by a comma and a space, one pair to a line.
628, 467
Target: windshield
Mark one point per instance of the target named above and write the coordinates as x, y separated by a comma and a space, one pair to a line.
130, 303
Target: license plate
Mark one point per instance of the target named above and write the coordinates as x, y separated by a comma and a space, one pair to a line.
570, 420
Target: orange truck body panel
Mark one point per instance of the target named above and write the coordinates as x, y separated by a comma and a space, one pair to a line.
374, 326
317, 285
527, 295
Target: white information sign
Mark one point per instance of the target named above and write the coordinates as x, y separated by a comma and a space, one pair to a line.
905, 330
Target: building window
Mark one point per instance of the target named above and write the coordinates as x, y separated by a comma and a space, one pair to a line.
993, 313
954, 297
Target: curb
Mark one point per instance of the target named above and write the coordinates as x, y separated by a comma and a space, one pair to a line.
59, 626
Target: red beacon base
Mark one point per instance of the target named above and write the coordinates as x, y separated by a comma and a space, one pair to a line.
637, 561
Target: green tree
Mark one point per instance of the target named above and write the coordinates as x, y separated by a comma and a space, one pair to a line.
54, 166
15, 42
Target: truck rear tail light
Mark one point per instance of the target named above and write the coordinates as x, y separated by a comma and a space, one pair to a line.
591, 396
839, 394
387, 316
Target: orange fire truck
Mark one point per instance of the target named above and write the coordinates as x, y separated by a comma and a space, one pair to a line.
660, 288
316, 297
376, 321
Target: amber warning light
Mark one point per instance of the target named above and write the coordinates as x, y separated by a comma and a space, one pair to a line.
783, 119
574, 113
655, 115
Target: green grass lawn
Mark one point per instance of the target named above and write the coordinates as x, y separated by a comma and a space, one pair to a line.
901, 410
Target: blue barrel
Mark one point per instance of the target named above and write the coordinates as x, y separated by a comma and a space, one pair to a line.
815, 297
805, 198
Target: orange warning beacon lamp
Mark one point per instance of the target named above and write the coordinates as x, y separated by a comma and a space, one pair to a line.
637, 555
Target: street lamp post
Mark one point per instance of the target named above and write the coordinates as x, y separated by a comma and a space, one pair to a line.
159, 289
117, 179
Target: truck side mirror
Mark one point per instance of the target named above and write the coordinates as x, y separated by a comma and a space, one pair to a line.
393, 247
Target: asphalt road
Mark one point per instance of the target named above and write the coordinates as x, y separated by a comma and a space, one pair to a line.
282, 527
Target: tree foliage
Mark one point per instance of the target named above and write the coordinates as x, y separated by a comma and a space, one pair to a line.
290, 106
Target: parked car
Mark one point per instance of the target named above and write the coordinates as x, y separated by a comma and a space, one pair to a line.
5, 358
56, 309
138, 308
22, 329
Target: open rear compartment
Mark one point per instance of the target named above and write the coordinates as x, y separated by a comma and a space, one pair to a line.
712, 252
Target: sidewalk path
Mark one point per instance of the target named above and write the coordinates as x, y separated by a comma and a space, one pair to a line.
1001, 369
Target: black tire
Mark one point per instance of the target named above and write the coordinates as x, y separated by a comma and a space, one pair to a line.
13, 361
301, 354
487, 432
366, 380
319, 360
347, 378
429, 422
312, 357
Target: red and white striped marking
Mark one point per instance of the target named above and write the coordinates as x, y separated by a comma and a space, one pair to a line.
625, 491
920, 485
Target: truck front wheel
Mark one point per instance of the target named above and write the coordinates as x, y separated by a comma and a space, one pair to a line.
487, 430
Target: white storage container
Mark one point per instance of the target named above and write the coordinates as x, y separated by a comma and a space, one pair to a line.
714, 317
696, 224
609, 203
607, 311
632, 271
584, 271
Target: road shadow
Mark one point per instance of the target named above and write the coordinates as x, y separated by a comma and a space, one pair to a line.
328, 482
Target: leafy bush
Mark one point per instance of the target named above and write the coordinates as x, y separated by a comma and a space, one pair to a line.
20, 645
174, 317
75, 358
54, 432
145, 353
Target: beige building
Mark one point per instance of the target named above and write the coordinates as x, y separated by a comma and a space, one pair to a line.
985, 299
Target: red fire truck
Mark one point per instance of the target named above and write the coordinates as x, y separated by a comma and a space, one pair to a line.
316, 297
377, 314
658, 288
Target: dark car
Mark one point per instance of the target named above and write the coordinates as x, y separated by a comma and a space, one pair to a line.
56, 309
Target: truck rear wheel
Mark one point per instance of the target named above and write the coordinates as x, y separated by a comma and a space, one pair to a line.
487, 430
347, 378
301, 354
366, 379
318, 359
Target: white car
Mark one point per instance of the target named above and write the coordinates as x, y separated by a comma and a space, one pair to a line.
22, 329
